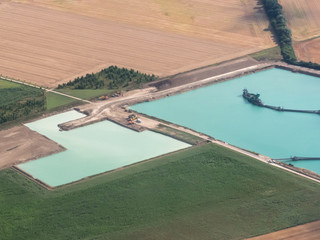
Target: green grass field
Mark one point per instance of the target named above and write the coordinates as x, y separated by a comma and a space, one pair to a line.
177, 134
85, 93
13, 106
55, 100
207, 192
7, 84
272, 54
12, 92
19, 91
19, 102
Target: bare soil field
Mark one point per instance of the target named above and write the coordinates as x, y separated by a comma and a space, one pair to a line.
50, 42
309, 231
304, 22
308, 50
303, 18
214, 20
20, 144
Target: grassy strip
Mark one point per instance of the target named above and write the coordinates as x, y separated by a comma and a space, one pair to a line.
6, 84
86, 94
207, 192
272, 54
55, 100
180, 135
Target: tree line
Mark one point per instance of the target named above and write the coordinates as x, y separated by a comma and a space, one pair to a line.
112, 77
278, 22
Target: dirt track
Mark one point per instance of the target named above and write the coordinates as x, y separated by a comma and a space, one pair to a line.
47, 46
20, 144
309, 231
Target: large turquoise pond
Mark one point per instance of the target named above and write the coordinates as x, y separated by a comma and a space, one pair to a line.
93, 149
220, 111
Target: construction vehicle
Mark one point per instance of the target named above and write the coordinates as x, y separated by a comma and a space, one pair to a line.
103, 98
132, 117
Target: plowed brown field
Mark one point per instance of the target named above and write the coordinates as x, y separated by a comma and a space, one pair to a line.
303, 18
49, 42
304, 21
308, 50
309, 231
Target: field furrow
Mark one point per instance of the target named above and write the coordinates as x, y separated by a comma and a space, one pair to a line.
52, 46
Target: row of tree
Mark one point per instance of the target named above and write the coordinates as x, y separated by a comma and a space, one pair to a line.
283, 33
111, 78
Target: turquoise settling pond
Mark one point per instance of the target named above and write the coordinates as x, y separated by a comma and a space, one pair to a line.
93, 149
220, 111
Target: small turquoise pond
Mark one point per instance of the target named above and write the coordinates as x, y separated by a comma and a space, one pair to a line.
220, 111
93, 149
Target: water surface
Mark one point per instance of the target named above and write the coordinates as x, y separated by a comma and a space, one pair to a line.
93, 149
220, 111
